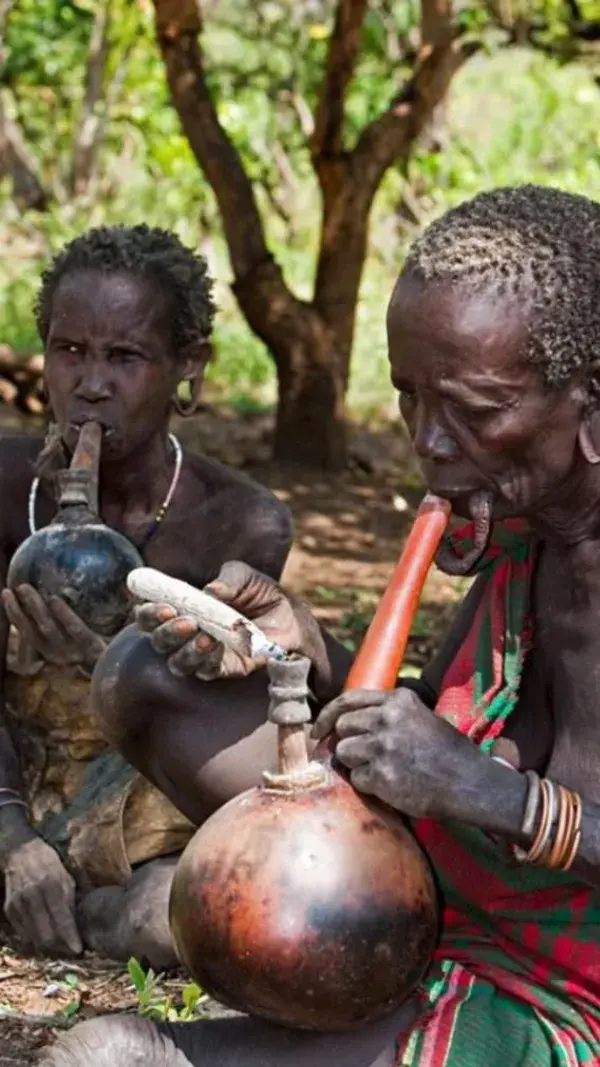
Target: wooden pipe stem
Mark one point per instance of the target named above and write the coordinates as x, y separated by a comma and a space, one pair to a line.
86, 455
292, 754
79, 484
381, 653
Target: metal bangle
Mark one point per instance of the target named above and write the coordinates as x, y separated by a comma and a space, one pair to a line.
530, 814
570, 858
554, 811
555, 852
545, 825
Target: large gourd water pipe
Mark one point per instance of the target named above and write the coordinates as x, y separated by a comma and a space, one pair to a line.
303, 901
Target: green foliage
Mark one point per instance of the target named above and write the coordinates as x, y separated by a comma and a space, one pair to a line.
513, 116
154, 1003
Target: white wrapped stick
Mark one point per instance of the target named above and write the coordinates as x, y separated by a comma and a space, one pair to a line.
219, 620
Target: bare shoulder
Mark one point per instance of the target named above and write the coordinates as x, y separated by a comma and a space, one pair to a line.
224, 515
216, 481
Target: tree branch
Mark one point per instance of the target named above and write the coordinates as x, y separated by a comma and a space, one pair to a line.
530, 32
178, 24
15, 160
89, 121
270, 307
17, 164
6, 7
341, 61
436, 21
349, 182
390, 137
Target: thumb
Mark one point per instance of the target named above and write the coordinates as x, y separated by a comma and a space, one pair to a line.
231, 581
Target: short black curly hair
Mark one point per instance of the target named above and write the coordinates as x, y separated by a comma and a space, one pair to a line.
529, 240
143, 252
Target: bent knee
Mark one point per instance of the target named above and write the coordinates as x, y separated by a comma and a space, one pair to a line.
116, 1041
130, 681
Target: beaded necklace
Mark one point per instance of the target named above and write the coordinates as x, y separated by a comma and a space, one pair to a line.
160, 514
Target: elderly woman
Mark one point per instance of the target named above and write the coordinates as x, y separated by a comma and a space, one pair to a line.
86, 844
494, 347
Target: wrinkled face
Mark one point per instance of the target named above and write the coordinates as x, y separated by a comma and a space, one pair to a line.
109, 358
478, 412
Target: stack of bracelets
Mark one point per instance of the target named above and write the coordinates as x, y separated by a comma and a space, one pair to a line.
553, 819
552, 813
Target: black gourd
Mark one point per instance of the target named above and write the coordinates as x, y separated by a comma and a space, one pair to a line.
77, 557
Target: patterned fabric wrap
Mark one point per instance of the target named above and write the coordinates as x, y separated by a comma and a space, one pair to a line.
516, 977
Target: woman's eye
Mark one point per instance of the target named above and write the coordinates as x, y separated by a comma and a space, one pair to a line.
126, 355
407, 396
67, 349
474, 416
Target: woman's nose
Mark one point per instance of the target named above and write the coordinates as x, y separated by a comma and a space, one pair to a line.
94, 383
431, 441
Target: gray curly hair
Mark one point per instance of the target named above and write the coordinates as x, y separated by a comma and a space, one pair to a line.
527, 240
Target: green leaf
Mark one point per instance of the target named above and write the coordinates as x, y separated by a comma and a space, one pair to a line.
137, 975
71, 1008
191, 996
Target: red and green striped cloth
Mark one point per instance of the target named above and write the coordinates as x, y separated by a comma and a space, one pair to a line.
516, 977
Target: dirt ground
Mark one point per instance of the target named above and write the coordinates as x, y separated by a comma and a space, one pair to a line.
349, 531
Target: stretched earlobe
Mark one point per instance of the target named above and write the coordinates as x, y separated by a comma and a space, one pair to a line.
589, 438
188, 406
193, 365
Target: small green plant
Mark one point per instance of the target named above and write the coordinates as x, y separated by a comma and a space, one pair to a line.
71, 982
71, 1008
155, 1003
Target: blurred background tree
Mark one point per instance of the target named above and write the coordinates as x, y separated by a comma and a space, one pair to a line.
300, 146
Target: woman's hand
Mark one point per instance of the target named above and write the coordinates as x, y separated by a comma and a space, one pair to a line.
190, 651
40, 899
52, 628
397, 750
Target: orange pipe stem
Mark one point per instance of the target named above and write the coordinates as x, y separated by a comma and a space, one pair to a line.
382, 651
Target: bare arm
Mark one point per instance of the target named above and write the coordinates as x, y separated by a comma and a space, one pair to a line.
14, 824
39, 897
258, 530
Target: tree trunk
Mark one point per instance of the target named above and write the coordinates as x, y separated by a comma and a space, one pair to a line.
310, 427
311, 343
311, 369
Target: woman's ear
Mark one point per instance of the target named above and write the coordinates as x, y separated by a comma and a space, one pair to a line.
195, 360
589, 427
193, 365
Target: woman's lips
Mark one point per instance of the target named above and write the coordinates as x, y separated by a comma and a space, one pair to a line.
75, 426
480, 507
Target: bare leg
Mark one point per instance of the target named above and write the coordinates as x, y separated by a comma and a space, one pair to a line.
240, 1042
200, 743
120, 922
